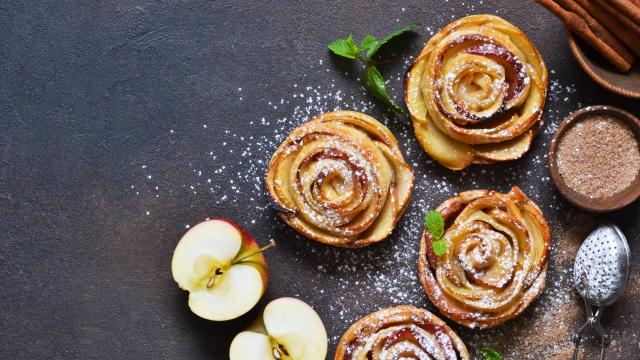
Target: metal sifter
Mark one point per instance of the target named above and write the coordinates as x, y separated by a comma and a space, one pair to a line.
600, 274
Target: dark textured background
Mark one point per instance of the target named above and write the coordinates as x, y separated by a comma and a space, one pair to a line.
89, 95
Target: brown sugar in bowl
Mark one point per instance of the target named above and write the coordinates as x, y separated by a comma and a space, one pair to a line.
610, 203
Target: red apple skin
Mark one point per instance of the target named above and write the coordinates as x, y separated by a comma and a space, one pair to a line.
249, 244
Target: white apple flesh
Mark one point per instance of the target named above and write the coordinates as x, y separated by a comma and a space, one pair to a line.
290, 330
220, 265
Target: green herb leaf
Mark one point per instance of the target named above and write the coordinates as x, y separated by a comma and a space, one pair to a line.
372, 50
366, 43
439, 247
372, 79
345, 47
434, 222
374, 82
490, 354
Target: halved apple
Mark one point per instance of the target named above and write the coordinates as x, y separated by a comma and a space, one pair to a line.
222, 268
288, 330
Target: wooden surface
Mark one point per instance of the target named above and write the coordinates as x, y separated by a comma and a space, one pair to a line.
105, 158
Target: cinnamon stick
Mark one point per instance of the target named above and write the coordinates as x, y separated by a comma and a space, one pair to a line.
576, 24
598, 29
629, 8
615, 22
619, 15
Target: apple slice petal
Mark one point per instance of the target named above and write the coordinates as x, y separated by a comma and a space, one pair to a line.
238, 292
249, 345
295, 325
210, 241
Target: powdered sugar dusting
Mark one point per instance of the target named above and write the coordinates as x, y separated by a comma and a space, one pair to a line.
352, 283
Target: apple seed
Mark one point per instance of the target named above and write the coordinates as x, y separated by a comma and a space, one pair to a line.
216, 274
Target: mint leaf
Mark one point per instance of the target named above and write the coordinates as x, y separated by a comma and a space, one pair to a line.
434, 222
366, 43
371, 51
490, 354
374, 82
439, 247
345, 47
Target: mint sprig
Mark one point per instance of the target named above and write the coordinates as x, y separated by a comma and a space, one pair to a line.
372, 79
434, 222
490, 354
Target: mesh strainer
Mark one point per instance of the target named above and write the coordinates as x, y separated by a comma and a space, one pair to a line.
600, 275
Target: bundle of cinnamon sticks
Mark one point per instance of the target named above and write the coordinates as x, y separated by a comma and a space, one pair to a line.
612, 27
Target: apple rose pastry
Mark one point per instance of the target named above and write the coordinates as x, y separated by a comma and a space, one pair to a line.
400, 332
495, 263
475, 92
340, 179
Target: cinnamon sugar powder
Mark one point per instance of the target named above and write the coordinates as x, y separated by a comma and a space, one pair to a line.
598, 157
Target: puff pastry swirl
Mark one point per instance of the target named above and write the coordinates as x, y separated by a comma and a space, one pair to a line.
401, 332
496, 260
476, 91
340, 179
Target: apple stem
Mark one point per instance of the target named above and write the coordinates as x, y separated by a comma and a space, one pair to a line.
218, 271
271, 244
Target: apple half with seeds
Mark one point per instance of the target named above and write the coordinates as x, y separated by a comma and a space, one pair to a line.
223, 269
288, 330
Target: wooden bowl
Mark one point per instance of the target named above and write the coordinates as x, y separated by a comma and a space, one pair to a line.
614, 202
602, 72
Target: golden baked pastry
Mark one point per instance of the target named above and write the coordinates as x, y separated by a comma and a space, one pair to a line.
496, 259
340, 179
475, 92
400, 332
